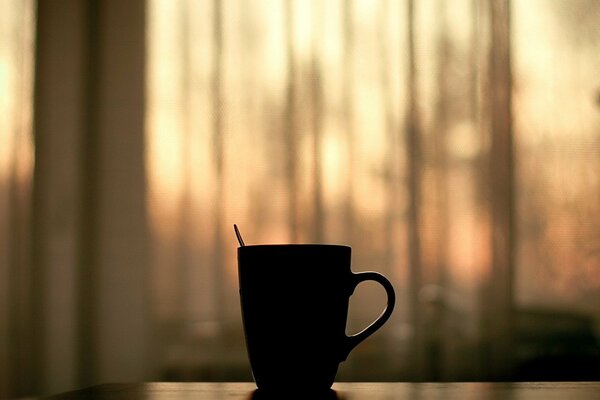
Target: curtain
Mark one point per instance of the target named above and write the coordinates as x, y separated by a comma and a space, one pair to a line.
16, 168
453, 144
73, 228
427, 135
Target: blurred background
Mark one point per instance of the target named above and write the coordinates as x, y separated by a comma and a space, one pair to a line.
455, 145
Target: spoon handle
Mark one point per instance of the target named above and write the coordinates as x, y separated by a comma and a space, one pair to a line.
239, 236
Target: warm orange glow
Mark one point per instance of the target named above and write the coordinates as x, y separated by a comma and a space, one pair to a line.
346, 97
16, 85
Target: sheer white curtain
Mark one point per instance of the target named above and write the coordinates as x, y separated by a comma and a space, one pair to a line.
444, 141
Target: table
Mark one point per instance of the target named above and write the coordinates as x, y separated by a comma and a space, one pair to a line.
343, 391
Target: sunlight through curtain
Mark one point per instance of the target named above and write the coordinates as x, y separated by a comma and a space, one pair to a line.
16, 167
453, 145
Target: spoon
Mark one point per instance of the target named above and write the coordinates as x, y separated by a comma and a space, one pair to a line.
239, 236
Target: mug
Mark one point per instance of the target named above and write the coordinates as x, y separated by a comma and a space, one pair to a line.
294, 302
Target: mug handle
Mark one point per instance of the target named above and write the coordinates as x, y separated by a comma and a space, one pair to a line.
354, 340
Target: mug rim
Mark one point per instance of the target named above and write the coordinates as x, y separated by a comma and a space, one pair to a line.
296, 245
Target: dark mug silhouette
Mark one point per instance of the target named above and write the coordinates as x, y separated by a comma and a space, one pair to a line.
294, 302
293, 393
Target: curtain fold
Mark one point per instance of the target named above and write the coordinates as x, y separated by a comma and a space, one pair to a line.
18, 341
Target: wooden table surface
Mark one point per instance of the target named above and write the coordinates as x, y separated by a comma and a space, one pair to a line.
371, 391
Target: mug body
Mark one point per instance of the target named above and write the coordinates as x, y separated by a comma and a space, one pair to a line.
294, 301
